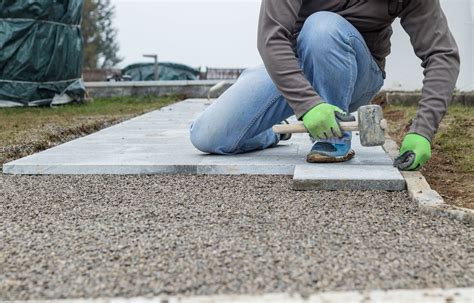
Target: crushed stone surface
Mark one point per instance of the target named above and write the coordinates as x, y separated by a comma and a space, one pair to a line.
129, 236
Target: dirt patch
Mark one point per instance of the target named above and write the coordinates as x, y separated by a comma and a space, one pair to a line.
450, 171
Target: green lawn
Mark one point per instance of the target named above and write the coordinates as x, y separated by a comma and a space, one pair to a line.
457, 139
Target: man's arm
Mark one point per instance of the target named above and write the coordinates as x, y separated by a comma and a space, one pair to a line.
275, 30
426, 24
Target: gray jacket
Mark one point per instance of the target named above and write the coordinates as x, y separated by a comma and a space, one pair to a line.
423, 20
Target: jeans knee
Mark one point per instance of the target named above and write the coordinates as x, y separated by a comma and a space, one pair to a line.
321, 32
255, 71
207, 138
198, 137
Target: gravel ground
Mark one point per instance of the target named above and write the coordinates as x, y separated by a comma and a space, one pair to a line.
112, 236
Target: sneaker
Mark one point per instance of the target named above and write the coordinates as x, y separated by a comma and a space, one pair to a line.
325, 152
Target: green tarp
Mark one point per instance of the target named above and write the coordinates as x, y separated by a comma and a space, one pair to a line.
41, 52
166, 71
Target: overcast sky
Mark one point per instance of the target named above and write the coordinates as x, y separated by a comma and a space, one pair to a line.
223, 33
219, 33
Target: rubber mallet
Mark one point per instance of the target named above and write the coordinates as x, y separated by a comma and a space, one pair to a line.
370, 124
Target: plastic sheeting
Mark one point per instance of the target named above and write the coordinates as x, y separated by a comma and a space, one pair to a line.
41, 52
166, 71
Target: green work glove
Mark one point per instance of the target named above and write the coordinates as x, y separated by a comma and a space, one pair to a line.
414, 153
321, 123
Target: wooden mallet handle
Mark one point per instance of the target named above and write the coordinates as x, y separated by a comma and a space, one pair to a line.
298, 128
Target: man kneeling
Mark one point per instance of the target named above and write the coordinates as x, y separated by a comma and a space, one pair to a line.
323, 57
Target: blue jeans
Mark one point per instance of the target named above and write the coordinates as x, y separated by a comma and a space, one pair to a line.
336, 61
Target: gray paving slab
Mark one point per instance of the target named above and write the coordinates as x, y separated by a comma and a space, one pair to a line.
158, 143
349, 177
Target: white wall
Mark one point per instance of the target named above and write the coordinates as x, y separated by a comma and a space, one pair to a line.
403, 67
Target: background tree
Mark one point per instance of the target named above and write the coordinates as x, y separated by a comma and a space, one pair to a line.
100, 37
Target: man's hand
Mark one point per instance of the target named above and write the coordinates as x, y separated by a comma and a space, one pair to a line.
414, 153
321, 121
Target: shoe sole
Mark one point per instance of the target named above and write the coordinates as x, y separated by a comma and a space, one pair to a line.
316, 158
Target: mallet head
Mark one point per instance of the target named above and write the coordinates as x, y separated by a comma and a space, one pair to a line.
372, 125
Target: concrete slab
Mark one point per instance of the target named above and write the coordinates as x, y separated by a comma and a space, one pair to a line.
158, 143
347, 177
191, 88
